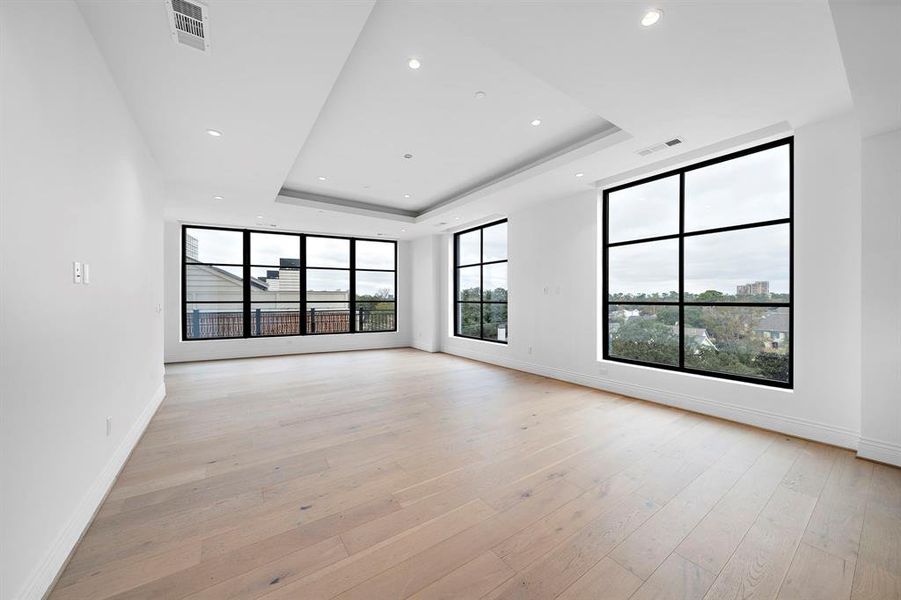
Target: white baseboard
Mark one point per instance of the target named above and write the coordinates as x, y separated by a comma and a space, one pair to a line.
803, 428
44, 576
880, 451
426, 347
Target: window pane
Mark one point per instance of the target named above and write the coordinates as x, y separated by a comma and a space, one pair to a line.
328, 286
742, 190
495, 242
469, 319
469, 248
375, 285
494, 321
214, 320
213, 283
738, 340
645, 210
328, 252
375, 316
275, 249
375, 255
279, 318
644, 333
494, 279
468, 283
748, 265
274, 284
328, 317
648, 271
214, 246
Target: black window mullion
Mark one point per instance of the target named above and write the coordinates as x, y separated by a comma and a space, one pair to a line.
681, 270
352, 289
246, 271
303, 284
481, 284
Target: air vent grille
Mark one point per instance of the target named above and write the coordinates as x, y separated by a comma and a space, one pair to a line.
187, 22
661, 146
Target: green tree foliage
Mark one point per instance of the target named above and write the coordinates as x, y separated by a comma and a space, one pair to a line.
646, 340
650, 336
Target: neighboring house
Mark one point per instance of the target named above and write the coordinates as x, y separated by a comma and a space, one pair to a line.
698, 335
279, 288
774, 327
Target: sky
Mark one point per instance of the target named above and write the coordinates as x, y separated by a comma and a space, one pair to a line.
495, 245
743, 190
748, 189
718, 261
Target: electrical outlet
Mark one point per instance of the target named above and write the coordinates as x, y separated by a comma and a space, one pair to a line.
109, 426
76, 272
530, 349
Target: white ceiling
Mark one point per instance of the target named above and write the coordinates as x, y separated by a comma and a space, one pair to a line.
380, 110
868, 32
277, 85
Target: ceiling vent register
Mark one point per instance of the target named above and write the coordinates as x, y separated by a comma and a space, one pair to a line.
661, 146
188, 23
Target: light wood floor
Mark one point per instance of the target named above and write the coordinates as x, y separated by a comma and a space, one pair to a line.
399, 474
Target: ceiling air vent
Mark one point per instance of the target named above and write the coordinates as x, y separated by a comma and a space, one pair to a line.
188, 22
661, 146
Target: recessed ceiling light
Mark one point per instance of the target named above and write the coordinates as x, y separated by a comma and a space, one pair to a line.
651, 17
321, 178
217, 197
380, 234
456, 218
536, 122
406, 195
402, 230
580, 174
414, 63
408, 155
214, 132
480, 94
259, 216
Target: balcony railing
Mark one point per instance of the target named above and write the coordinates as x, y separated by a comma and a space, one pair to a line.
220, 324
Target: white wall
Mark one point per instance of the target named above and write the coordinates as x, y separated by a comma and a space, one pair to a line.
77, 184
881, 297
426, 334
182, 351
553, 311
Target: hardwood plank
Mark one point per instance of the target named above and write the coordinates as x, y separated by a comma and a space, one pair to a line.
560, 568
760, 562
606, 580
470, 582
719, 533
676, 579
817, 575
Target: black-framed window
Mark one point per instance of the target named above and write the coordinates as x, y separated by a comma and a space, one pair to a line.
480, 283
242, 283
698, 268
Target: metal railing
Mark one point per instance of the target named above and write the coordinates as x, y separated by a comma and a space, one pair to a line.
218, 324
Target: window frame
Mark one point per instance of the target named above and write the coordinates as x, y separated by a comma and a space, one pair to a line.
681, 235
481, 264
247, 301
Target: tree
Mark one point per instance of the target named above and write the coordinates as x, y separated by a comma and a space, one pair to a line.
646, 340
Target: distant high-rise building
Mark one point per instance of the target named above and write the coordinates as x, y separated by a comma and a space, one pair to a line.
758, 288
